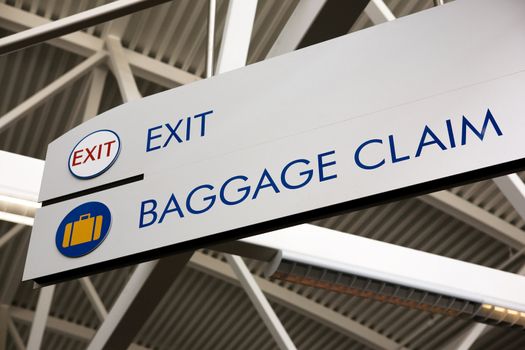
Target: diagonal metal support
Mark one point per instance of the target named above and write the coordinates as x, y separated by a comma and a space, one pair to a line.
9, 235
34, 101
260, 302
514, 189
96, 87
94, 298
39, 322
236, 35
121, 69
378, 12
476, 217
17, 339
298, 303
294, 30
148, 284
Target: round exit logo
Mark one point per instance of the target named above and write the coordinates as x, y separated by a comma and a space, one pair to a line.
94, 154
83, 229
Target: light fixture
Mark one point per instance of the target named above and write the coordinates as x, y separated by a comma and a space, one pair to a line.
358, 266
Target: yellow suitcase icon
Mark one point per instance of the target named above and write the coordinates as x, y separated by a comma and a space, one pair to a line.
85, 229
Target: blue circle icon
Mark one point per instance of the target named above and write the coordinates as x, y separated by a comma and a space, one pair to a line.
83, 229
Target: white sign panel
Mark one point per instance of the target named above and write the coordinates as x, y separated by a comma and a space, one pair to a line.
396, 109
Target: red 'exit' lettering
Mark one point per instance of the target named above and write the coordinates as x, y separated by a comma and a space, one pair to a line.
82, 156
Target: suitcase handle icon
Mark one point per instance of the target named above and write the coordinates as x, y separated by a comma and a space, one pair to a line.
85, 229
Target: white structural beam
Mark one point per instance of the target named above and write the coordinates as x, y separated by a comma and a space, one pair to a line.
514, 189
96, 87
53, 324
73, 23
122, 305
263, 307
476, 217
13, 332
298, 303
12, 277
13, 232
158, 72
296, 27
379, 12
121, 69
236, 35
94, 298
466, 339
39, 321
117, 27
83, 44
148, 284
51, 89
223, 271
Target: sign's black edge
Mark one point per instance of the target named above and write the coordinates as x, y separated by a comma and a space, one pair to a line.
91, 190
295, 219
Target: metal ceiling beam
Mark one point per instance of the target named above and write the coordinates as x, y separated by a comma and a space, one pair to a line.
13, 232
335, 19
94, 96
73, 23
59, 326
12, 277
466, 339
263, 307
514, 189
54, 324
117, 27
93, 297
296, 27
236, 35
17, 339
39, 321
476, 217
158, 72
84, 44
379, 12
298, 303
135, 304
56, 86
121, 70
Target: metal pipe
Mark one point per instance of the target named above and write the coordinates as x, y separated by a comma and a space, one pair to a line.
73, 23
